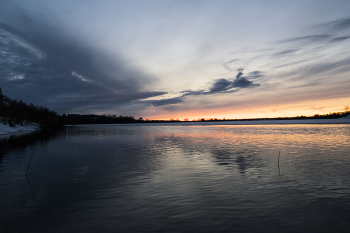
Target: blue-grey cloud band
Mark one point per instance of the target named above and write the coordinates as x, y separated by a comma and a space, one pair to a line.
46, 64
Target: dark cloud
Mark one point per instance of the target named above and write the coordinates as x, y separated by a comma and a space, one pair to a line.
224, 85
242, 83
240, 73
219, 86
100, 102
227, 86
44, 63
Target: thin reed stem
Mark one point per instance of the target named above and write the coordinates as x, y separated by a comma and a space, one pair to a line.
30, 161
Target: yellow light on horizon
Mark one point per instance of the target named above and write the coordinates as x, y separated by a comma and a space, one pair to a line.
306, 108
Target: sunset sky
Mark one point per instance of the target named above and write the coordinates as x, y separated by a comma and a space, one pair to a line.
177, 59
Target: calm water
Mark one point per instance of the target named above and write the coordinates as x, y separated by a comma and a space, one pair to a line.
167, 178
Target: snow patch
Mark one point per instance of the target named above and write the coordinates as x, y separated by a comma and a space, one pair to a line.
6, 129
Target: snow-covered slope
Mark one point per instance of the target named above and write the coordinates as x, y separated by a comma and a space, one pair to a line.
6, 129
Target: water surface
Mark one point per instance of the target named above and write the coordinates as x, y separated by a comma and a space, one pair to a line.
173, 178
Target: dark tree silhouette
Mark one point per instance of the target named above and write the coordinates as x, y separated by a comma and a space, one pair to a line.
14, 112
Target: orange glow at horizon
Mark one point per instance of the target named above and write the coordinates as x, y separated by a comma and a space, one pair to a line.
269, 111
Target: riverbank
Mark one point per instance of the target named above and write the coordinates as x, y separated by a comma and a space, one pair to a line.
6, 129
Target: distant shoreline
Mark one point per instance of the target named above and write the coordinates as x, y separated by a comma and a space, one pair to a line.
275, 122
6, 129
236, 122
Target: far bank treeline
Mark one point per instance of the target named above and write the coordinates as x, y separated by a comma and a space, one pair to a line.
16, 112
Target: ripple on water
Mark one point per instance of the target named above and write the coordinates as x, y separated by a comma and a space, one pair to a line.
159, 178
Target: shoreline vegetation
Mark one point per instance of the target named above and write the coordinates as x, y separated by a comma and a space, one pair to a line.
76, 119
18, 116
18, 113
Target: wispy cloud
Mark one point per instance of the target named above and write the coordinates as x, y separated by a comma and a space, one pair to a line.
286, 52
292, 63
162, 102
339, 39
338, 25
229, 62
327, 67
255, 74
331, 32
311, 38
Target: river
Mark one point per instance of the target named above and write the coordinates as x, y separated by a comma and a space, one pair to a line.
177, 178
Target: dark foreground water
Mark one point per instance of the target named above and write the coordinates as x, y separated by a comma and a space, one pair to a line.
159, 178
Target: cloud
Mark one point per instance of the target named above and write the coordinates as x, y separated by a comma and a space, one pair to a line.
292, 63
240, 73
243, 83
339, 39
338, 25
255, 74
229, 62
226, 86
190, 92
219, 86
86, 102
341, 66
312, 38
42, 61
285, 52
162, 102
328, 74
330, 31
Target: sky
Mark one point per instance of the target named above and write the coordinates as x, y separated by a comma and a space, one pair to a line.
177, 59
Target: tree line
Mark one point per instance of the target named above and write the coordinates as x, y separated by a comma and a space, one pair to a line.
76, 119
16, 112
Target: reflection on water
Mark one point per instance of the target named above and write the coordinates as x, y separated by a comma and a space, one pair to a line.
167, 178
